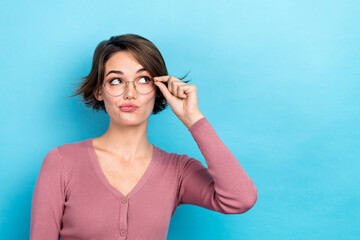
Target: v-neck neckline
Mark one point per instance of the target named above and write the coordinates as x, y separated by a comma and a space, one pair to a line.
104, 180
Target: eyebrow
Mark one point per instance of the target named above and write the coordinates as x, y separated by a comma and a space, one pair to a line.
120, 72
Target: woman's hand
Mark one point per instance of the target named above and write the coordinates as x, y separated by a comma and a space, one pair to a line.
182, 98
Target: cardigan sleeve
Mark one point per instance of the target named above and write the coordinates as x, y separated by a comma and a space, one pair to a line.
224, 186
48, 199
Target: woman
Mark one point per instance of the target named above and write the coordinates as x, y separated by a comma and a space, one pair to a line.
119, 185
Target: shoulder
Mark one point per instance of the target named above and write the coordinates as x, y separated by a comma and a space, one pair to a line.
182, 161
171, 156
74, 148
68, 152
171, 160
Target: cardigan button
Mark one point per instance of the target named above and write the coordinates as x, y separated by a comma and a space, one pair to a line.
124, 200
123, 233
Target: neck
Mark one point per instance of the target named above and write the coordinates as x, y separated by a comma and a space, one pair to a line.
128, 141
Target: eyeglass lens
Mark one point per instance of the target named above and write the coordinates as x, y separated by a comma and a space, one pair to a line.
117, 86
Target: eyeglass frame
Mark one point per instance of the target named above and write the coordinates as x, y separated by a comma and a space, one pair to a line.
126, 85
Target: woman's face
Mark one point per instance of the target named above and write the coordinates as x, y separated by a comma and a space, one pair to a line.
123, 61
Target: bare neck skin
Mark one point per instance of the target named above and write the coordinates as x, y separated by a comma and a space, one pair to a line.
128, 141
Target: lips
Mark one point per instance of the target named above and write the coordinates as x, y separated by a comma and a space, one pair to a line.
128, 109
129, 105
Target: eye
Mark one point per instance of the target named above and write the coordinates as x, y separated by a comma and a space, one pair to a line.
115, 81
145, 77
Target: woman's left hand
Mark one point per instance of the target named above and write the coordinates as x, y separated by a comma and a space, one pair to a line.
182, 98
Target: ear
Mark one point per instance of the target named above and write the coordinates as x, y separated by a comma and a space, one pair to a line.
98, 95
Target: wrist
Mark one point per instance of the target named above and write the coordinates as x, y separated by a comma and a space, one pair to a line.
193, 119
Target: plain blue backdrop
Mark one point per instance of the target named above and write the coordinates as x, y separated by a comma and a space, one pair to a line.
278, 80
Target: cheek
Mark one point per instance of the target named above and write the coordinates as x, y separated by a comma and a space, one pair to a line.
151, 101
110, 102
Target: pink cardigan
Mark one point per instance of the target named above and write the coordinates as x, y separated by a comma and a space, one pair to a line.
73, 199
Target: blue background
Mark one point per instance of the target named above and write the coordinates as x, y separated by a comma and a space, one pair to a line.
278, 81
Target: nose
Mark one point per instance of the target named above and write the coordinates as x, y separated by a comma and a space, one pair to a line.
130, 90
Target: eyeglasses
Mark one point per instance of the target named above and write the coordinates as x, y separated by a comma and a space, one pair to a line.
116, 86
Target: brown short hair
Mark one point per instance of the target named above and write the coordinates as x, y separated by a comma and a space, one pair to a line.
144, 51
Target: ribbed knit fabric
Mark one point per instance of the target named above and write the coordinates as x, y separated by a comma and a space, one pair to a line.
73, 199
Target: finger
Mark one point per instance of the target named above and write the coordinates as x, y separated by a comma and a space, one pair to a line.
162, 78
173, 82
173, 86
164, 90
181, 91
168, 79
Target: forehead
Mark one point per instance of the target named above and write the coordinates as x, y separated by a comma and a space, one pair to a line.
123, 61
